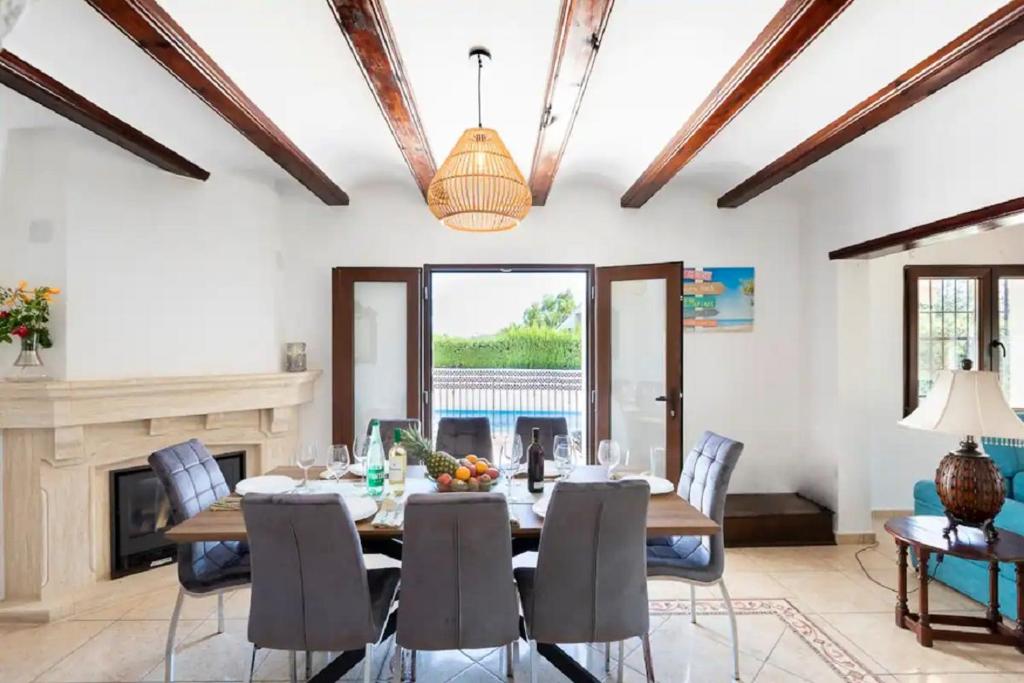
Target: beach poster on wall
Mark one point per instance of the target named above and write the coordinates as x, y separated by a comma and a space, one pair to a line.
718, 299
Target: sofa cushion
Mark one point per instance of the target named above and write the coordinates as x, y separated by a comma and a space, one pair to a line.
1015, 488
1007, 458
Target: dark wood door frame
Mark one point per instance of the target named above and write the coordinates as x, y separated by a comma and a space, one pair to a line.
428, 329
672, 273
343, 282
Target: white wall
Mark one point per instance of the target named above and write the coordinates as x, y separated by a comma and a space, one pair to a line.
743, 385
958, 150
161, 275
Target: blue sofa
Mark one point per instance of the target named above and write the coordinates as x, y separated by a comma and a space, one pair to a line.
968, 576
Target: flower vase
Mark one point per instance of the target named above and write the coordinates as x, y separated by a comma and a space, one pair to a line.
29, 366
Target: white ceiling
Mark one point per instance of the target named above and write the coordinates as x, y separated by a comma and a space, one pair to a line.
658, 61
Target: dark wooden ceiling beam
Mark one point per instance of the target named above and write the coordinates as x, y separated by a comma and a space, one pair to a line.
992, 36
153, 30
368, 32
22, 77
967, 223
789, 32
581, 27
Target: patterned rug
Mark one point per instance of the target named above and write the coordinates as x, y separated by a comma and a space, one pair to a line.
833, 654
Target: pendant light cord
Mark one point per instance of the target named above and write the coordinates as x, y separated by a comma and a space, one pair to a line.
479, 109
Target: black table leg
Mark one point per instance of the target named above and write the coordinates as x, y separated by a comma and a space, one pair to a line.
348, 659
569, 667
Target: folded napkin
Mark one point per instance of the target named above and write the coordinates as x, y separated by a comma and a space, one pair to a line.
391, 515
227, 504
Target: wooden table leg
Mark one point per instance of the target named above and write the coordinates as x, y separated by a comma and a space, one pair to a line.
901, 592
1020, 605
993, 615
924, 633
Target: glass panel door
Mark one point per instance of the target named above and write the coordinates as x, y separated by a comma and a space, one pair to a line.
376, 351
1007, 349
639, 364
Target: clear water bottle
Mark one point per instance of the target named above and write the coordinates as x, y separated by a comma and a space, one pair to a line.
376, 468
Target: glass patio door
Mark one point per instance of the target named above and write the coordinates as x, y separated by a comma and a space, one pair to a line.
376, 347
640, 363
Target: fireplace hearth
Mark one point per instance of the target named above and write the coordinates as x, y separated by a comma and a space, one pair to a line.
140, 513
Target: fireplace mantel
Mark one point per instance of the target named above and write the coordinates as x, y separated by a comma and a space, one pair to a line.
48, 405
62, 440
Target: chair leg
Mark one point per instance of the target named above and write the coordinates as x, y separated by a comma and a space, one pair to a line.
396, 663
511, 657
368, 664
252, 666
732, 629
648, 660
293, 674
693, 604
171, 631
621, 662
533, 661
309, 665
220, 612
412, 665
607, 658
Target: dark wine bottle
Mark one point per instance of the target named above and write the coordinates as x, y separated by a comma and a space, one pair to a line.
535, 464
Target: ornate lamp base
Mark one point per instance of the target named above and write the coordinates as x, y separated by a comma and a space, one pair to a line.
971, 489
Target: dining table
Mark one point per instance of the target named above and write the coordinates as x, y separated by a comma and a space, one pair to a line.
667, 515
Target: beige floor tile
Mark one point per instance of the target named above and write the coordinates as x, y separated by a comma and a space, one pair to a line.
834, 591
770, 673
161, 604
688, 654
27, 652
793, 655
475, 674
897, 651
124, 651
205, 655
950, 678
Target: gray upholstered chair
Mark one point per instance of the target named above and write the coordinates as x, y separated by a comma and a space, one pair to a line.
461, 436
590, 583
192, 480
311, 590
457, 585
550, 427
387, 431
700, 560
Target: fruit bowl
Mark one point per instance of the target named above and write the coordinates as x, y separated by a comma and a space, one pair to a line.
461, 475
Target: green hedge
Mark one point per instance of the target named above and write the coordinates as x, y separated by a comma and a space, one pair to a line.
536, 348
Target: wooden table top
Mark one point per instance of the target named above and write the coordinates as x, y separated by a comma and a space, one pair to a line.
667, 515
968, 543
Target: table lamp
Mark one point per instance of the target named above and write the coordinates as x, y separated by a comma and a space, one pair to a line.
968, 403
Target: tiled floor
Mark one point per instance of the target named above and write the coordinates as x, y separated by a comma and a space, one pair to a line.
804, 614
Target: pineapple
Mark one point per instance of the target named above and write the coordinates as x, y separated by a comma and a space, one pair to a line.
439, 463
416, 447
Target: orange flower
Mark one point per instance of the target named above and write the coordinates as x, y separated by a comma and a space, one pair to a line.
22, 285
53, 290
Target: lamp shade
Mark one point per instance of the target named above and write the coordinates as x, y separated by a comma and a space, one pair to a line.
478, 187
966, 402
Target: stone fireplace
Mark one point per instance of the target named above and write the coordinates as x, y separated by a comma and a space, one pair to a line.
62, 441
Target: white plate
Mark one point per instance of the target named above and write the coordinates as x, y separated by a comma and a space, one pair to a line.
357, 469
360, 507
658, 485
550, 470
540, 508
326, 474
270, 483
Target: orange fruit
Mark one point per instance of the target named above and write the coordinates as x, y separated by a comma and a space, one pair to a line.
463, 474
472, 458
481, 467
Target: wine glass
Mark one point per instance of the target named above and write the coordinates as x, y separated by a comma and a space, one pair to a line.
562, 456
509, 462
337, 463
609, 454
305, 458
359, 449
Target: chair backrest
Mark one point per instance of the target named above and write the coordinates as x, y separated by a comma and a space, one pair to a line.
191, 477
704, 482
591, 580
550, 427
192, 480
457, 585
387, 431
309, 585
461, 436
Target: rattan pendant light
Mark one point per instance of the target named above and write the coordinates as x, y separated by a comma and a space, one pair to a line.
479, 188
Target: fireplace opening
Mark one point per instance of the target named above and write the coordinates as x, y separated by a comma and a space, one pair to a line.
140, 513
